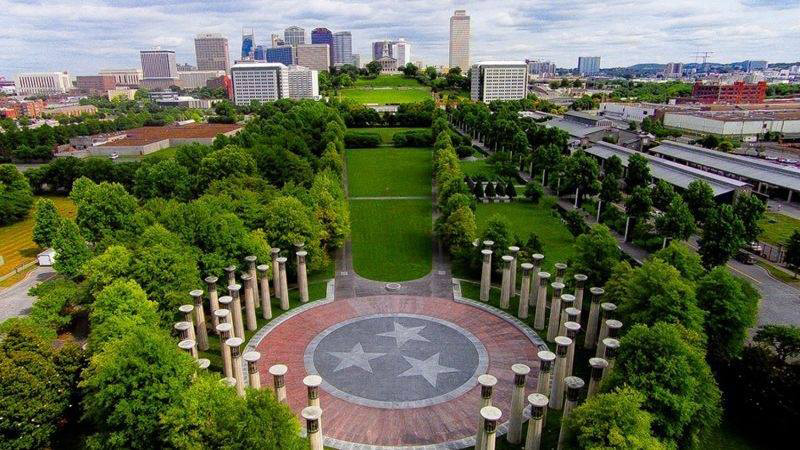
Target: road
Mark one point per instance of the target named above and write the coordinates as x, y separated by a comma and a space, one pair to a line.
15, 301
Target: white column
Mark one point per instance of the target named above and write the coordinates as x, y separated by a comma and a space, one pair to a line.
284, 284
251, 270
278, 372
555, 311
505, 286
236, 360
486, 275
598, 366
541, 300
573, 386
514, 251
610, 354
524, 294
538, 406
572, 329
559, 369
567, 300
200, 319
580, 282
590, 339
313, 418
536, 260
213, 300
312, 383
276, 277
612, 328
253, 376
606, 312
231, 272
266, 300
224, 332
561, 270
186, 312
236, 307
517, 403
302, 277
490, 416
226, 304
487, 383
189, 347
249, 302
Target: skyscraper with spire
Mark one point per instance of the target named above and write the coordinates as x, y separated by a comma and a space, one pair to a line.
248, 43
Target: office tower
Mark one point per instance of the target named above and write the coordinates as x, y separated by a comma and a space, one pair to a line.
264, 82
276, 40
323, 36
356, 60
43, 83
95, 83
303, 83
294, 36
541, 68
499, 80
673, 70
342, 48
198, 78
248, 43
260, 53
283, 54
211, 51
158, 64
459, 40
588, 65
313, 56
378, 49
125, 77
401, 50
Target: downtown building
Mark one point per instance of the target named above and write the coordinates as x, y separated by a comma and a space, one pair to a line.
159, 70
459, 40
195, 79
211, 52
265, 82
294, 35
95, 84
248, 43
124, 77
43, 83
541, 68
313, 56
283, 54
303, 83
588, 65
324, 36
499, 80
342, 48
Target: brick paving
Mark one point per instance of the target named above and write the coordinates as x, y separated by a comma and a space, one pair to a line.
449, 421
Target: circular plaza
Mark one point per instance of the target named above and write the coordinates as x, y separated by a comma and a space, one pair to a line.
397, 370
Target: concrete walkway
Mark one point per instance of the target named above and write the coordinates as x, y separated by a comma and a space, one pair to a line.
15, 301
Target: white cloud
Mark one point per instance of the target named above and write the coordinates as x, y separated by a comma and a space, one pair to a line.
83, 36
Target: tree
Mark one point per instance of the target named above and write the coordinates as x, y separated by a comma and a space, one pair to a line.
680, 256
409, 70
16, 197
118, 309
286, 221
609, 190
226, 162
612, 420
374, 68
71, 249
103, 269
165, 179
330, 209
663, 194
129, 384
478, 192
700, 198
722, 236
656, 292
498, 230
663, 363
676, 222
750, 210
459, 230
793, 251
209, 413
533, 192
511, 190
581, 171
597, 253
490, 191
638, 172
613, 167
102, 208
731, 305
46, 223
783, 339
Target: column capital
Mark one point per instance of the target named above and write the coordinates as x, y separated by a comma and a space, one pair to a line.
246, 277
557, 288
490, 415
312, 381
211, 279
613, 327
546, 359
234, 343
281, 259
537, 258
250, 259
278, 370
572, 329
225, 301
567, 299
612, 345
526, 268
507, 259
187, 345
488, 243
224, 329
486, 252
608, 308
562, 344
252, 358
230, 269
544, 277
299, 245
234, 288
274, 250
520, 371
182, 327
572, 314
561, 268
186, 309
302, 254
196, 293
203, 363
262, 268
514, 250
229, 381
538, 404
573, 386
597, 365
597, 293
580, 280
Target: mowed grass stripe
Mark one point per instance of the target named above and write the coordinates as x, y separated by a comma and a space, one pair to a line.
386, 96
386, 133
389, 172
391, 239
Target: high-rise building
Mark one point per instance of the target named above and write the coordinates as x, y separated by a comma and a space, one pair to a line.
260, 53
43, 83
588, 65
323, 36
401, 50
125, 77
198, 78
283, 54
95, 83
303, 83
541, 68
356, 60
499, 80
342, 48
158, 64
313, 56
276, 40
265, 82
379, 47
459, 40
673, 70
211, 51
248, 43
294, 36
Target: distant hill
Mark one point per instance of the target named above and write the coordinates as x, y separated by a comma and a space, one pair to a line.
645, 69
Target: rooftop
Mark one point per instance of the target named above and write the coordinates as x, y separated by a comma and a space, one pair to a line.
673, 173
575, 129
739, 116
743, 166
148, 135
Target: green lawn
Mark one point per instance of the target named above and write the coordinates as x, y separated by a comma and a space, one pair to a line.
526, 218
391, 238
478, 167
385, 133
388, 95
778, 233
388, 81
389, 172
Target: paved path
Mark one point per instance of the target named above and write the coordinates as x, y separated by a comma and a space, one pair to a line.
15, 301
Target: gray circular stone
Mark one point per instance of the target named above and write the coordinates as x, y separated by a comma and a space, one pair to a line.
396, 361
393, 286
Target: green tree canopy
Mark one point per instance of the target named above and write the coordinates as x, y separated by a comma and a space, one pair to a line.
668, 367
597, 253
16, 197
700, 198
663, 194
165, 179
750, 210
71, 249
119, 308
46, 223
677, 221
102, 208
681, 257
722, 236
638, 172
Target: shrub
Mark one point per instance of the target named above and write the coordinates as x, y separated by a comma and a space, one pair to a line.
533, 191
361, 139
464, 151
413, 138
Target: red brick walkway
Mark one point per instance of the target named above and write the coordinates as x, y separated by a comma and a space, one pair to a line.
449, 421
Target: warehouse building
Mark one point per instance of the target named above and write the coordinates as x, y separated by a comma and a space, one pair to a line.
141, 141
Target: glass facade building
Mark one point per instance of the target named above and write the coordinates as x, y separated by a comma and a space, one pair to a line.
323, 36
283, 54
248, 45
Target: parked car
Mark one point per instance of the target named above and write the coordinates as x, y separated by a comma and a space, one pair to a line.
755, 247
745, 257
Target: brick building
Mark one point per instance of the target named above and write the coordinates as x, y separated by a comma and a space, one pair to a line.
738, 92
95, 83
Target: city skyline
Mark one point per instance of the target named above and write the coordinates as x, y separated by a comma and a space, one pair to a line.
45, 36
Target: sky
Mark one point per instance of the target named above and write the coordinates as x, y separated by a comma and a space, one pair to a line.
84, 36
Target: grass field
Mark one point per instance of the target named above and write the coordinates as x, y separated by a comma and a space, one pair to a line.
478, 167
388, 81
385, 133
526, 218
389, 172
387, 95
391, 238
778, 233
16, 240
